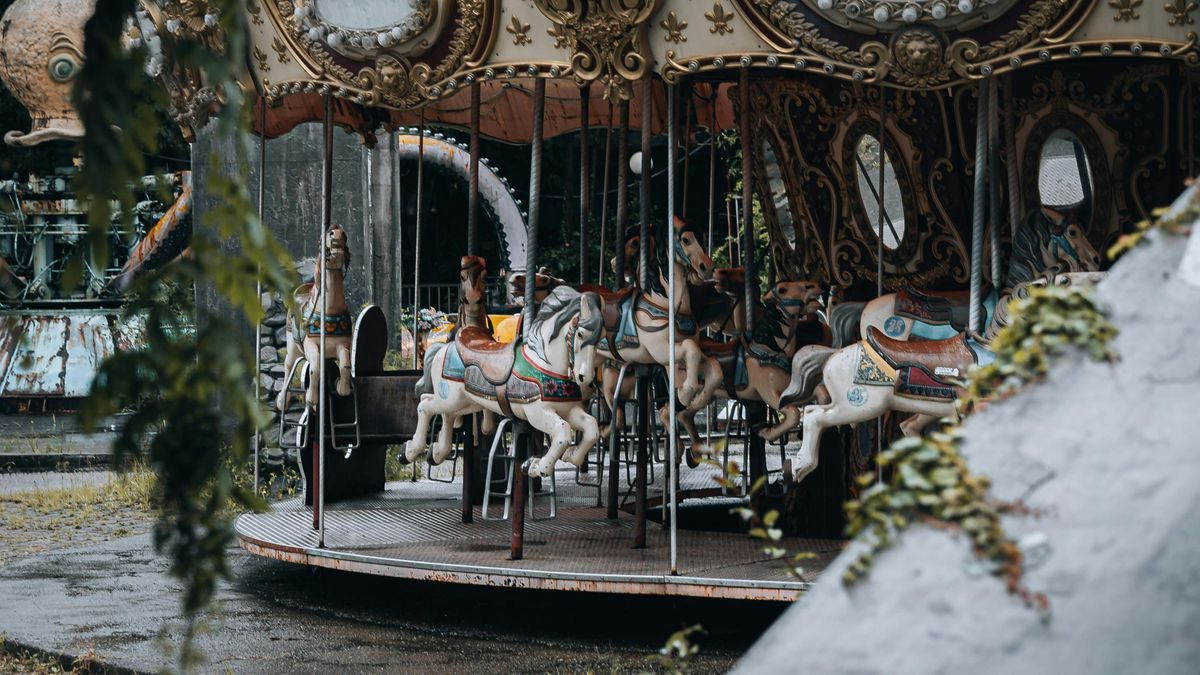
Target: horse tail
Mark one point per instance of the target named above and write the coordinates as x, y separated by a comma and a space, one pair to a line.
844, 322
806, 374
425, 384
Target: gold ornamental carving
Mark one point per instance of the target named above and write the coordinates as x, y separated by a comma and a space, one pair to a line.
519, 31
608, 40
391, 80
674, 27
919, 59
1180, 11
720, 19
1126, 9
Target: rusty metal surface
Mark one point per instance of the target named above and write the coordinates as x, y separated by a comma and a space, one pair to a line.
56, 355
414, 530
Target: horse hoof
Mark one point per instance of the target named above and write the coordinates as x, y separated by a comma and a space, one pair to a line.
530, 468
690, 458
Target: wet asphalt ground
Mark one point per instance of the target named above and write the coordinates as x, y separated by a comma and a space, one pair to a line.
116, 601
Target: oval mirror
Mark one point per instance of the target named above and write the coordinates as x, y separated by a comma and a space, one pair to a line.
866, 167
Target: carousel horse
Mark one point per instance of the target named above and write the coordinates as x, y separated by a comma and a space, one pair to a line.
883, 372
472, 311
544, 378
304, 335
719, 306
635, 319
1050, 242
758, 367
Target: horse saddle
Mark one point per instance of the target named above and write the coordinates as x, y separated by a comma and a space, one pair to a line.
924, 368
478, 349
935, 307
619, 329
731, 356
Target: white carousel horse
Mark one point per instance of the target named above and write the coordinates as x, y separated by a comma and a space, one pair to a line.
1049, 243
758, 367
635, 319
544, 379
879, 373
472, 311
304, 334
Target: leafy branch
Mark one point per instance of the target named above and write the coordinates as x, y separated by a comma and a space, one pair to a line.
193, 415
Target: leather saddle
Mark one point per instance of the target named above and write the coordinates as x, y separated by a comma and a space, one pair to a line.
612, 303
731, 357
924, 368
479, 349
936, 307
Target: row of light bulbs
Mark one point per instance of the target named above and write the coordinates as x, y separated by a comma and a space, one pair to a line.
335, 38
911, 12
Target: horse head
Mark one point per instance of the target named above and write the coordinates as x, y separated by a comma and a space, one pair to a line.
688, 251
1050, 241
337, 253
1066, 244
472, 277
589, 327
544, 283
795, 298
730, 280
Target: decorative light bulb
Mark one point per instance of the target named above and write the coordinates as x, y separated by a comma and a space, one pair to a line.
911, 13
966, 6
334, 40
825, 4
939, 11
210, 20
384, 39
314, 34
882, 14
397, 33
853, 9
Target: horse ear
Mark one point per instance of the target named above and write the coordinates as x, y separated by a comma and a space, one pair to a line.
585, 306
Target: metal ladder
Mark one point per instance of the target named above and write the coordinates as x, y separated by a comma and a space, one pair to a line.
489, 483
300, 426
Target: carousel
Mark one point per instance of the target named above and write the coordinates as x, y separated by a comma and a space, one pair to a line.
903, 168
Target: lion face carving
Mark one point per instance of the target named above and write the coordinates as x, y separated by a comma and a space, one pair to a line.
917, 51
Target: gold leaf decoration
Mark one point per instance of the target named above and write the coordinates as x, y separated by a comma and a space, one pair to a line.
1180, 11
720, 19
519, 31
674, 27
280, 50
1126, 9
261, 57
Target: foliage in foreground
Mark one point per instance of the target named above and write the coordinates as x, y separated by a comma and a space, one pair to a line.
194, 414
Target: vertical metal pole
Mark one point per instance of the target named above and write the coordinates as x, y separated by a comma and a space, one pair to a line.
712, 173
622, 192
748, 247
880, 218
647, 282
326, 219
470, 437
993, 179
672, 467
535, 204
980, 195
262, 179
520, 484
644, 193
473, 199
585, 186
417, 243
604, 196
687, 139
1010, 150
398, 223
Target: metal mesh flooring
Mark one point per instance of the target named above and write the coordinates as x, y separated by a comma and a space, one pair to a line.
414, 530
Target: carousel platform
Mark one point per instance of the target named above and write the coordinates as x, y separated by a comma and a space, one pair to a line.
414, 530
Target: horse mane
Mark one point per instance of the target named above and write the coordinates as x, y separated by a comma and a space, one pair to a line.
1031, 238
559, 307
769, 329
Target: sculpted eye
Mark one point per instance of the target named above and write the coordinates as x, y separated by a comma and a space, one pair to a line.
63, 67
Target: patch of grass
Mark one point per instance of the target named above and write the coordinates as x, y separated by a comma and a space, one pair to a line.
394, 469
16, 660
135, 489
